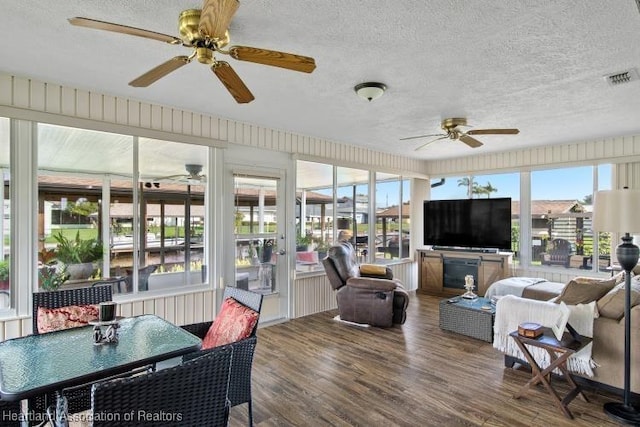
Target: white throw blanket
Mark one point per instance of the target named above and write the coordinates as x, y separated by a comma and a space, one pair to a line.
511, 286
512, 310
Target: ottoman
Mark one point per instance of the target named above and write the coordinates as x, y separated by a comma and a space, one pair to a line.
473, 318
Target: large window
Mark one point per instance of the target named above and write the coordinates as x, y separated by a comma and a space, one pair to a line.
74, 166
560, 212
5, 217
315, 214
352, 210
561, 234
484, 186
327, 212
392, 217
102, 217
256, 232
172, 187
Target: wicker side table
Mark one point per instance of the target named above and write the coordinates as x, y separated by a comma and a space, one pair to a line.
468, 317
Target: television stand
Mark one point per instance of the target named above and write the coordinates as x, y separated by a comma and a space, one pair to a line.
490, 268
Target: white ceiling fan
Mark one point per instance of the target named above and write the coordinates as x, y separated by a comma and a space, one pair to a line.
194, 175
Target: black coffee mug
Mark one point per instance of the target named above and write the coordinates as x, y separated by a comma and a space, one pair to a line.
107, 311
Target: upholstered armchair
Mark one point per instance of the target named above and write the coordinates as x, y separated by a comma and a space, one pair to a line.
366, 293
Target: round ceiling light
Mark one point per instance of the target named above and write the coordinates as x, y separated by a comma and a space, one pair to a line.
370, 90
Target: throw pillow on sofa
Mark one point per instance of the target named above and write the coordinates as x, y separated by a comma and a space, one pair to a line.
611, 305
583, 290
235, 322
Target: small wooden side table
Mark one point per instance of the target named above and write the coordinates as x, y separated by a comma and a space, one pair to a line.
559, 352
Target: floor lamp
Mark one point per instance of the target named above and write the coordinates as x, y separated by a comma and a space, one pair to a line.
618, 211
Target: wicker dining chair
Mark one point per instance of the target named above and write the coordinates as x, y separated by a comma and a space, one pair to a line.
66, 297
115, 283
143, 278
80, 399
240, 384
191, 394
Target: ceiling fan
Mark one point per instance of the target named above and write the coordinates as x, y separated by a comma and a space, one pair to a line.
194, 175
206, 31
450, 126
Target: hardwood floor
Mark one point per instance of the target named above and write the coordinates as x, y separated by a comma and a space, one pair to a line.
314, 371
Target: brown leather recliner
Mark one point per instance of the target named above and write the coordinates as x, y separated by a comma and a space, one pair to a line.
366, 293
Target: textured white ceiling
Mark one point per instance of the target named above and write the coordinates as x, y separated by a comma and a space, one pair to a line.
537, 65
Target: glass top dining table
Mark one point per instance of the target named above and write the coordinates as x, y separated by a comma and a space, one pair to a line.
37, 364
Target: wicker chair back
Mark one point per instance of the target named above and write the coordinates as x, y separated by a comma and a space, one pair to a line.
243, 351
78, 400
191, 394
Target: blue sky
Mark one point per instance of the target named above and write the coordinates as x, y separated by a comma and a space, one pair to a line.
550, 184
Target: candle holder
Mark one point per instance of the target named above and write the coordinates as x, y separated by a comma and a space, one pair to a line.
110, 334
469, 285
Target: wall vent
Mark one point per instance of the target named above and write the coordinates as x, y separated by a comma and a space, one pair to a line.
622, 77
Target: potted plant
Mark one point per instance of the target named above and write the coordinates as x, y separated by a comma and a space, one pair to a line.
52, 277
322, 247
4, 274
78, 254
303, 242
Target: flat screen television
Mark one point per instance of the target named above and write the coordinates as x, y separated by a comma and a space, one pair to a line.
468, 223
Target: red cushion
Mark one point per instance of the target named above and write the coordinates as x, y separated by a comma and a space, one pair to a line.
71, 316
307, 257
234, 323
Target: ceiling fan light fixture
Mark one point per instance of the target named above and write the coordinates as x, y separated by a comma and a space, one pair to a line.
193, 169
370, 90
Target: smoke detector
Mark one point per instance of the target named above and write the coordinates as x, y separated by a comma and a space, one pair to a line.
622, 77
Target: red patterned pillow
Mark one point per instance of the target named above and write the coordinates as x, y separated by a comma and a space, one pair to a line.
71, 316
234, 323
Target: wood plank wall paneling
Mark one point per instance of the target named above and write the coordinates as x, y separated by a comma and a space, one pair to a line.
618, 150
46, 97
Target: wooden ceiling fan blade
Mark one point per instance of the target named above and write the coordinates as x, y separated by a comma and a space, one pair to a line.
470, 141
493, 132
123, 29
216, 16
160, 71
421, 136
430, 142
232, 82
274, 58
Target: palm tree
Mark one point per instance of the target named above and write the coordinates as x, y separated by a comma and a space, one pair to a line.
478, 190
488, 189
468, 182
